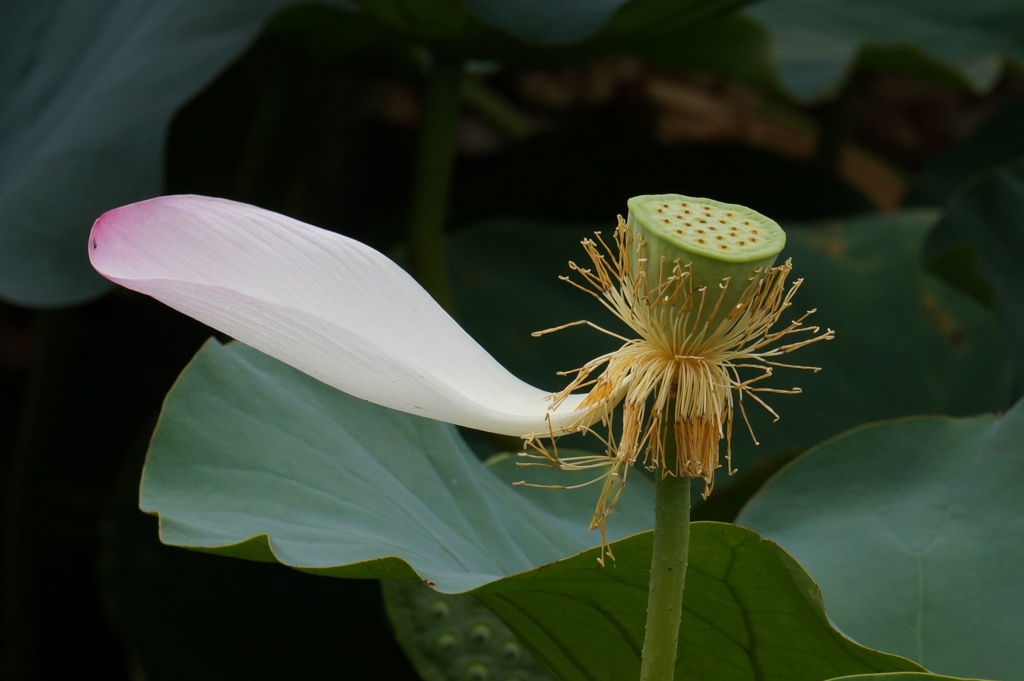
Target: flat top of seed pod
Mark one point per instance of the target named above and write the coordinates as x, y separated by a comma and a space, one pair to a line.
722, 231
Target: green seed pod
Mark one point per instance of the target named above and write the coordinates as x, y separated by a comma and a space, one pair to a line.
718, 241
480, 634
454, 637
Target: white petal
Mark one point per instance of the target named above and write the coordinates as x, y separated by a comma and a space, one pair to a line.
325, 304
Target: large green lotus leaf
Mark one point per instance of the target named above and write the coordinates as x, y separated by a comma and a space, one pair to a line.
817, 41
981, 232
750, 612
906, 342
915, 532
256, 460
89, 90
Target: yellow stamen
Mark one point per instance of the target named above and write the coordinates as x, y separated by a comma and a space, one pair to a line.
681, 375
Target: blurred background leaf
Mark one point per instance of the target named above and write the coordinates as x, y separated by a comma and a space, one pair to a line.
981, 235
818, 42
90, 89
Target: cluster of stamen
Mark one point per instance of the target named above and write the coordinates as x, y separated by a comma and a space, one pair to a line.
682, 375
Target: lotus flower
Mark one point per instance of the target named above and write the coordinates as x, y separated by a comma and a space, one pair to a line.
692, 279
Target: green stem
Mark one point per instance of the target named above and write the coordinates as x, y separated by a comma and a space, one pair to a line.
668, 573
435, 156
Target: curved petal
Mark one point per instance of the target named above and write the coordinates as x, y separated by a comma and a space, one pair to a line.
321, 302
